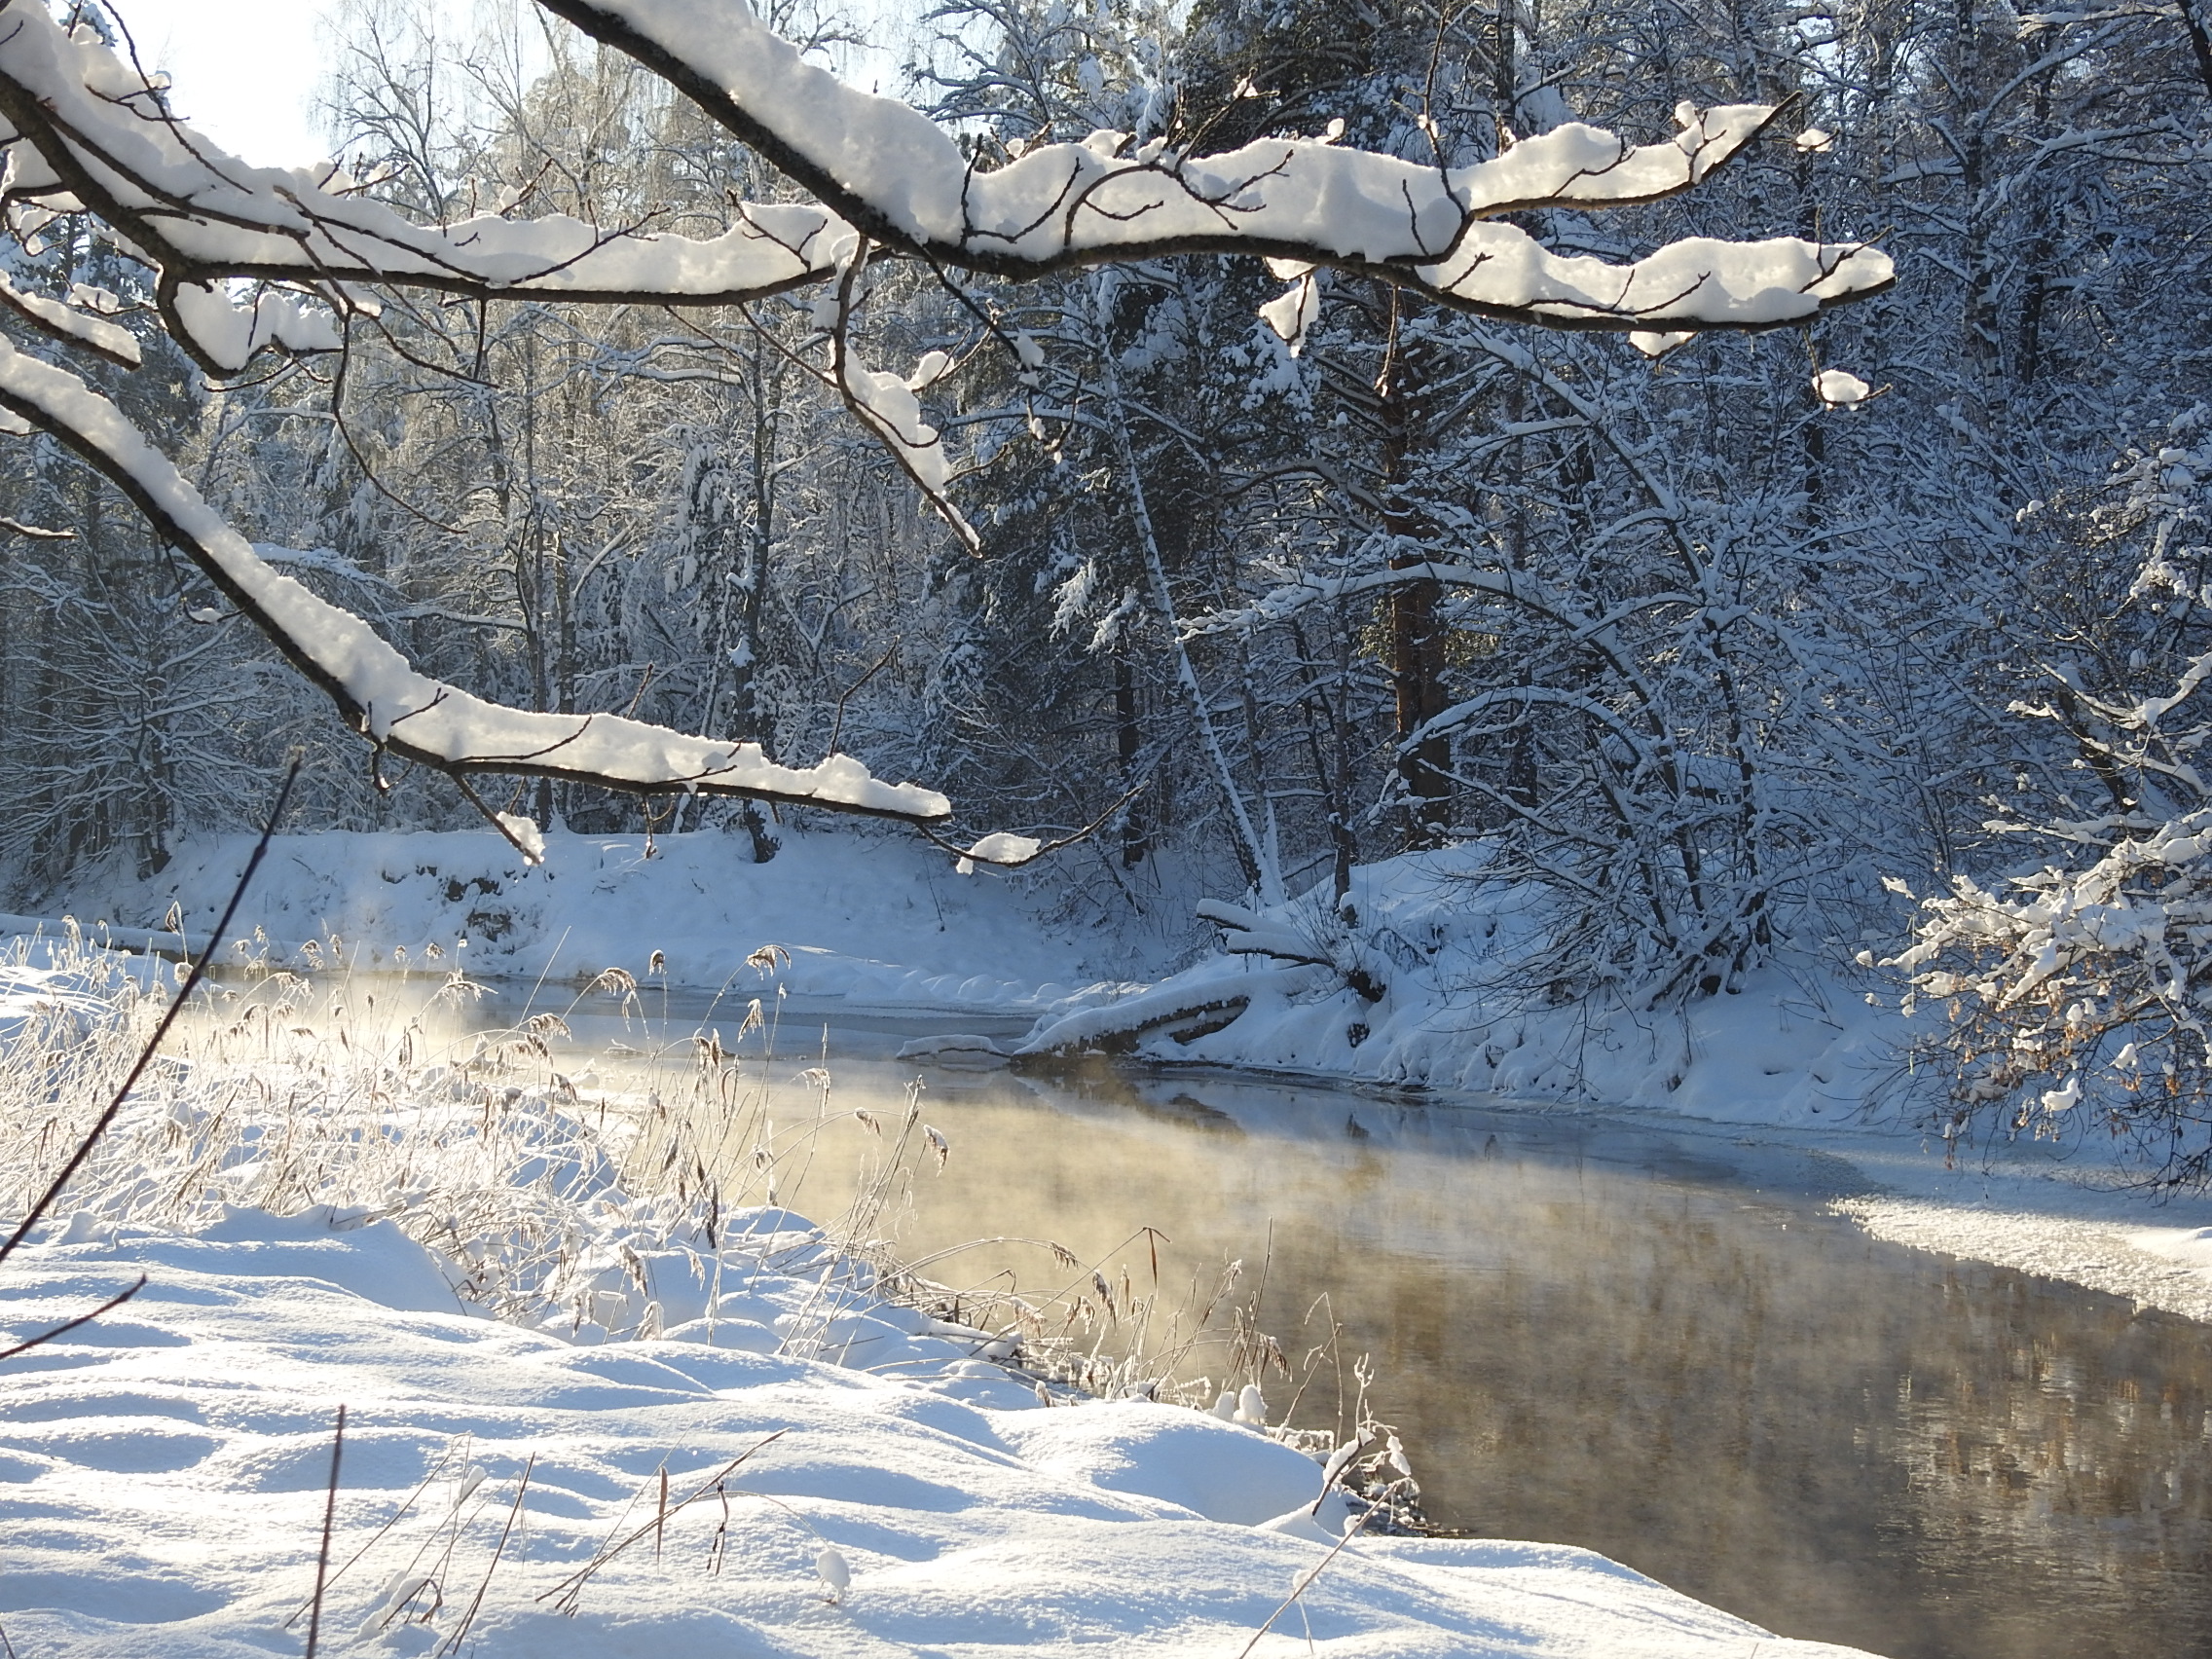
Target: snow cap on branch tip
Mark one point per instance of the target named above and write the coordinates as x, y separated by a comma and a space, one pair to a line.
524, 833
1839, 388
1002, 848
83, 321
934, 367
1291, 314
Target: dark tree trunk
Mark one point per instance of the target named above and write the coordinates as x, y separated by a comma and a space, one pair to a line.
1127, 744
1417, 637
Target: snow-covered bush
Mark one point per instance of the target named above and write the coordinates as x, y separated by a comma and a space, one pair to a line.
2083, 989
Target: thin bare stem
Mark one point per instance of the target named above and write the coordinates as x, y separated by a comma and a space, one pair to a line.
329, 1519
176, 1005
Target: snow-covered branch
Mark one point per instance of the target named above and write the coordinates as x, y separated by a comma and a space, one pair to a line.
90, 132
70, 322
397, 708
890, 170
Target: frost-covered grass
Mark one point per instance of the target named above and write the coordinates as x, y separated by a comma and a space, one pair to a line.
289, 1095
596, 1206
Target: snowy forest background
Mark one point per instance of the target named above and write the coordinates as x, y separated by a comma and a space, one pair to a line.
1715, 668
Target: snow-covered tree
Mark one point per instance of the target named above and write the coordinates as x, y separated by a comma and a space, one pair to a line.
244, 264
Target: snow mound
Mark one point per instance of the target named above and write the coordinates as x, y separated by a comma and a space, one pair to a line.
1413, 982
163, 1478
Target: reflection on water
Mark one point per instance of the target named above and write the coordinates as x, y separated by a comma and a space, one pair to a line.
1591, 1334
1658, 1347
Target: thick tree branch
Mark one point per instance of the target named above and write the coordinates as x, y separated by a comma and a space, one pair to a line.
883, 171
425, 721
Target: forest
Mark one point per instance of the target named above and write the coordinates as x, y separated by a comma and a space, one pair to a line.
1720, 641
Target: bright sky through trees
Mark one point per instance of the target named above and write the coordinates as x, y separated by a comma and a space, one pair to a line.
248, 87
252, 90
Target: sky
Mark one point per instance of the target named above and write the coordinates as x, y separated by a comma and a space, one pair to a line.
242, 74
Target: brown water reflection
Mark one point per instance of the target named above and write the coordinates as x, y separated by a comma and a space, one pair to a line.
1597, 1332
1660, 1349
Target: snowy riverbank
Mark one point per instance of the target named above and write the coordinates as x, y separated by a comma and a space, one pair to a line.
162, 1481
883, 920
878, 917
1809, 1055
1419, 980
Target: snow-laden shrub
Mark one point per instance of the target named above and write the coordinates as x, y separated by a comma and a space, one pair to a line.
2082, 989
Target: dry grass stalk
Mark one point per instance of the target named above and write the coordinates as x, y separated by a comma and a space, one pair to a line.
567, 1595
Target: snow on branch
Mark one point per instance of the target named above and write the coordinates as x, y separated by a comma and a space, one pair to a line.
90, 132
221, 332
892, 172
377, 689
84, 130
67, 322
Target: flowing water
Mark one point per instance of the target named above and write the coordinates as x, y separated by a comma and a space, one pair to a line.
1595, 1331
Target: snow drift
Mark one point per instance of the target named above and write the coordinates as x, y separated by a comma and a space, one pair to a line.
163, 1480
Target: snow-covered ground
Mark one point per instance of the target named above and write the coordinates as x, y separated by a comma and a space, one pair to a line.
162, 1472
878, 917
164, 1476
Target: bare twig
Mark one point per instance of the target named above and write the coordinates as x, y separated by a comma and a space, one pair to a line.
565, 1594
1306, 1579
176, 1006
109, 1306
1085, 833
453, 1642
329, 1518
398, 1516
837, 725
